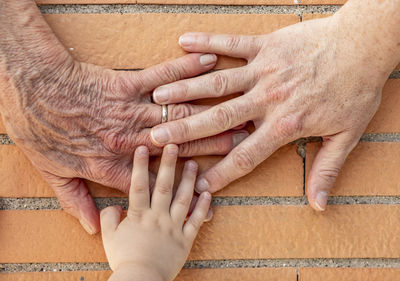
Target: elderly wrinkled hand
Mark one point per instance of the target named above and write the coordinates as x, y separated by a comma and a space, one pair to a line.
78, 121
315, 78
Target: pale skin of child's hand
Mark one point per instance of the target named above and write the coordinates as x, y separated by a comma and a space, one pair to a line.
153, 242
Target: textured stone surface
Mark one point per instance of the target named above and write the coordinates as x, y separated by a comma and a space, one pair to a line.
280, 175
236, 232
370, 169
225, 274
353, 274
133, 41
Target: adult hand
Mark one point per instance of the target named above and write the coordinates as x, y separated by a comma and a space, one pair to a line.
78, 121
315, 78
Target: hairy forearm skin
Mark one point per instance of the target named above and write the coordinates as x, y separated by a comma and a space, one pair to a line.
371, 29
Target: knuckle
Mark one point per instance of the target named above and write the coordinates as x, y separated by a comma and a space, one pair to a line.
171, 72
187, 149
183, 200
136, 213
221, 117
179, 111
243, 160
196, 222
140, 189
289, 126
232, 42
164, 189
329, 174
219, 83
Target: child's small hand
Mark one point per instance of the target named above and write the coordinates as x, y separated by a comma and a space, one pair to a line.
153, 241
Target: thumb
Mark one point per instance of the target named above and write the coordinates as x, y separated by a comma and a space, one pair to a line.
110, 218
76, 200
326, 167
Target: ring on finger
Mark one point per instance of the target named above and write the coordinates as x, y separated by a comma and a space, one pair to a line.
164, 113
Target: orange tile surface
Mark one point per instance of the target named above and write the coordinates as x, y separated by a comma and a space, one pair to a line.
2, 128
223, 274
236, 232
132, 41
372, 168
353, 274
280, 175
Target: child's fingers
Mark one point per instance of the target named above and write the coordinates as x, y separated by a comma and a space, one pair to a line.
183, 197
196, 219
139, 194
110, 218
162, 195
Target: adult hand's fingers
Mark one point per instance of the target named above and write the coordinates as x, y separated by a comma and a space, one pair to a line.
183, 197
326, 167
220, 144
139, 194
162, 194
175, 112
110, 218
187, 66
76, 200
213, 121
239, 162
199, 215
238, 46
217, 84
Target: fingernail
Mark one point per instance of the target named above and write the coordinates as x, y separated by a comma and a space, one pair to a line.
160, 135
191, 165
186, 40
161, 95
87, 227
208, 59
142, 150
321, 200
202, 185
239, 137
209, 215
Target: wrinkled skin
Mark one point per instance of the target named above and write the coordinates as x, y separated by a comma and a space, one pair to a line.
315, 78
79, 121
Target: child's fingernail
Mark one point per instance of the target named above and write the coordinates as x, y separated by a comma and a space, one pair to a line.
142, 150
209, 215
89, 229
202, 185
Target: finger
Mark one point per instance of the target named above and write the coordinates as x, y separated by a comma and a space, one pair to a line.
183, 197
187, 66
220, 144
326, 167
213, 121
110, 218
239, 162
76, 200
175, 112
139, 194
197, 218
213, 85
162, 195
238, 46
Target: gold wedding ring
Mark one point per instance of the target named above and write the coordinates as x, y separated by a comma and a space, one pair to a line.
164, 113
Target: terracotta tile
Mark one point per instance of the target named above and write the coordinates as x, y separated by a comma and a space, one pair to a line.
133, 41
353, 274
322, 2
280, 175
223, 274
387, 118
47, 2
236, 232
371, 169
2, 128
219, 2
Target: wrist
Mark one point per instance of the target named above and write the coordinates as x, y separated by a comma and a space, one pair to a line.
133, 272
367, 32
